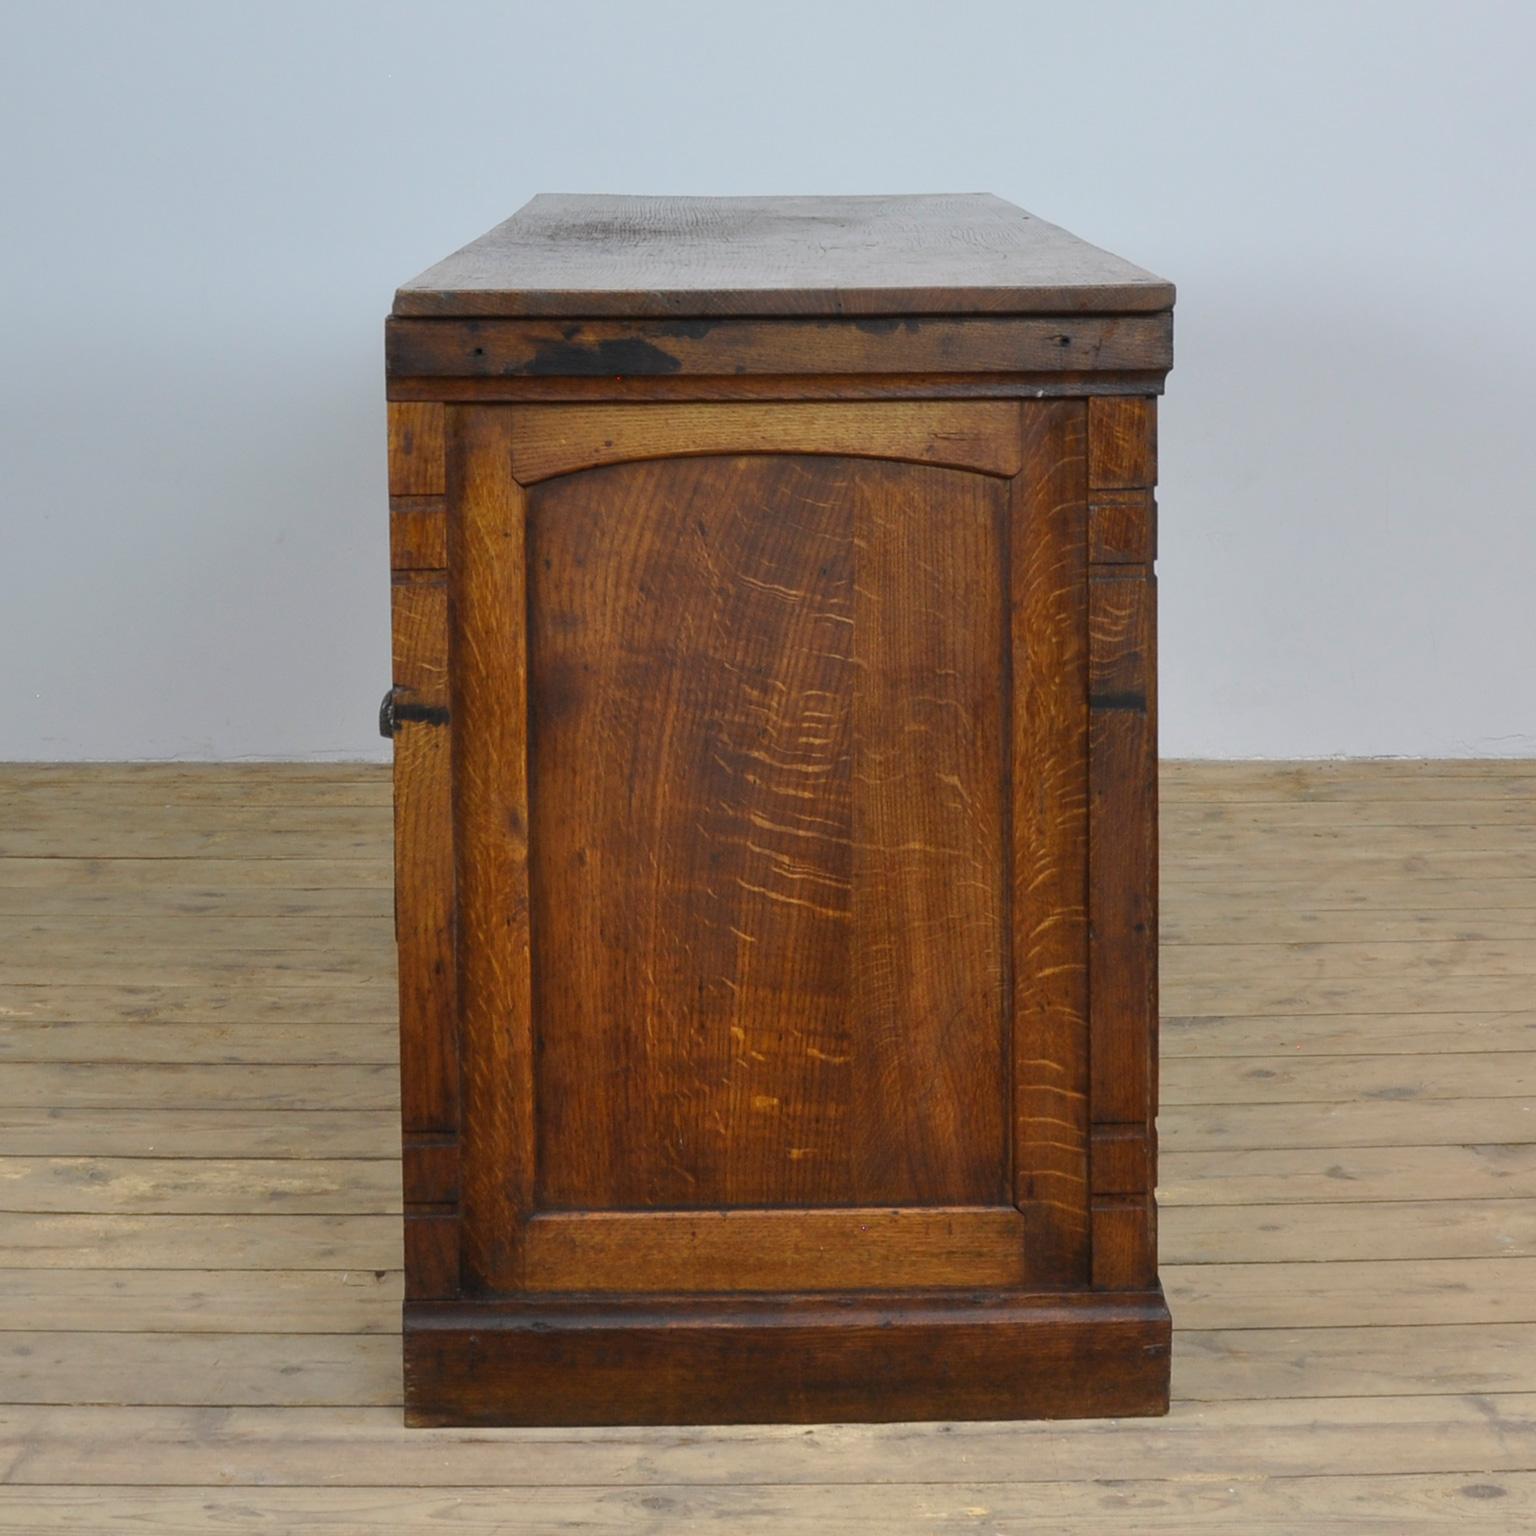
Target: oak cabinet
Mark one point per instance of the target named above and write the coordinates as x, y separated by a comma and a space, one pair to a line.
773, 713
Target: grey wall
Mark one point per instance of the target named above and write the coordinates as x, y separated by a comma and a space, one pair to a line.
206, 207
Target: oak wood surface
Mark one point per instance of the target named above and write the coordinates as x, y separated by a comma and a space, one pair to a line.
1417, 1301
776, 1250
555, 440
761, 751
844, 874
416, 447
490, 843
638, 349
879, 381
1048, 729
985, 1353
603, 255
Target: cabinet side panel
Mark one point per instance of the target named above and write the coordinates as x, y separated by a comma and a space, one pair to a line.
1050, 833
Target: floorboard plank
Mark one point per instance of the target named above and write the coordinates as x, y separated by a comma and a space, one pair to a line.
1429, 1505
1399, 1229
1364, 1293
362, 1301
210, 998
114, 1085
1196, 923
301, 1447
177, 1186
232, 1131
1379, 1123
91, 1241
1317, 1079
1303, 963
1348, 1034
1270, 1176
258, 1044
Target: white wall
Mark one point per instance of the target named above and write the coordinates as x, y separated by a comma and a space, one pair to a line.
206, 206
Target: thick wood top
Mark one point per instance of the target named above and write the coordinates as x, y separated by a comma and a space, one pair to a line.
646, 257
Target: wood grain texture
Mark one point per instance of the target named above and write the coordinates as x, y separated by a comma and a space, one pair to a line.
1048, 665
177, 1185
490, 839
1124, 1242
424, 834
116, 1085
424, 928
602, 255
766, 770
1122, 896
1123, 1160
1122, 442
929, 978
430, 1168
777, 1250
90, 1241
416, 461
419, 607
159, 1448
1428, 1505
555, 440
772, 388
644, 349
987, 1357
1122, 527
418, 533
1123, 832
1122, 848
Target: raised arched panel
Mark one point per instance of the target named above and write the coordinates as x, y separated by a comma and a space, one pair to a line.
767, 748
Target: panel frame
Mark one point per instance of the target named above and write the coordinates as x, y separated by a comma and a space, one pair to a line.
1123, 846
495, 452
423, 842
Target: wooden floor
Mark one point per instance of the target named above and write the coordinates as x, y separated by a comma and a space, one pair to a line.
199, 1281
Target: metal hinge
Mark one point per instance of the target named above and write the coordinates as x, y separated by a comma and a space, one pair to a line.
388, 722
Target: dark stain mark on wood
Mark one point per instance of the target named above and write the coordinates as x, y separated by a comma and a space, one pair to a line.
420, 714
1136, 702
887, 327
620, 355
686, 330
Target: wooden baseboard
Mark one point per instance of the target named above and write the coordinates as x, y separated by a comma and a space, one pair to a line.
786, 1359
